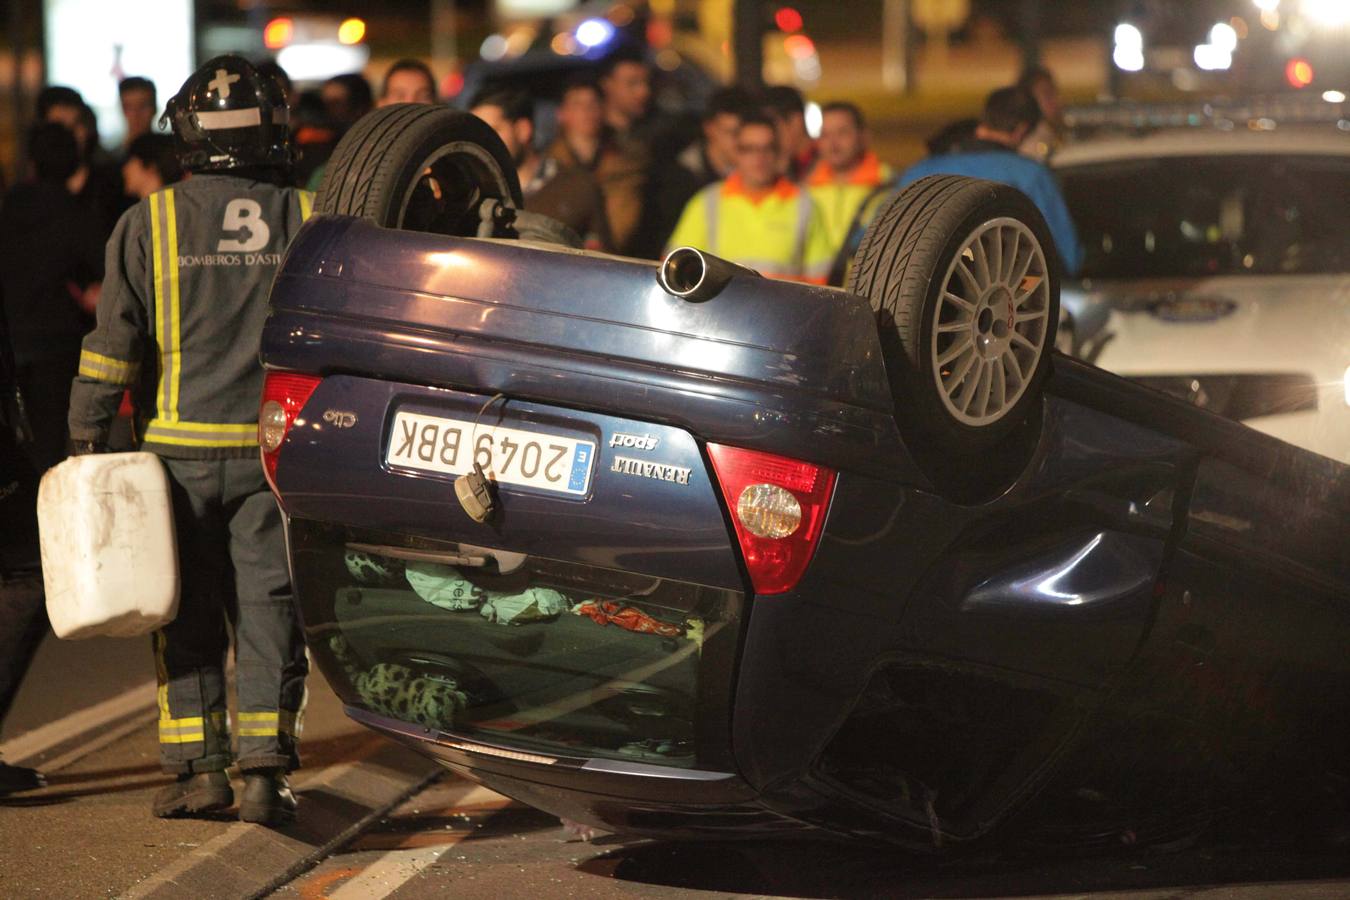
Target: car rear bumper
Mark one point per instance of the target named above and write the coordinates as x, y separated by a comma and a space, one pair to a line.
619, 795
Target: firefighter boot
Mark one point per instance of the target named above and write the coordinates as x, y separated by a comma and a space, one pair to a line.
267, 799
192, 794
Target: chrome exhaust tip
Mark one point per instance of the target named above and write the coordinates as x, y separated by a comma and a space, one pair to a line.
697, 276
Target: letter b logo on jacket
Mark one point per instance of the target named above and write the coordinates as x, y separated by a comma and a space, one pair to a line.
244, 218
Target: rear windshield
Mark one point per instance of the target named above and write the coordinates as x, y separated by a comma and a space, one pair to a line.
550, 656
1199, 216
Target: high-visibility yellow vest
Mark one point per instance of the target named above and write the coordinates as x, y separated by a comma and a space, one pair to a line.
777, 232
838, 198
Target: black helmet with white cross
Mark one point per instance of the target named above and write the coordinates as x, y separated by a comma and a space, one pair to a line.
228, 115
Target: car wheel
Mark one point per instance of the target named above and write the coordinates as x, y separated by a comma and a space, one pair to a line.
964, 283
418, 168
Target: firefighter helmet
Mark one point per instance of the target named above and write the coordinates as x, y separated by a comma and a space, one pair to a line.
228, 115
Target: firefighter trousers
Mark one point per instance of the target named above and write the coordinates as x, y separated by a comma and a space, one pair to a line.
232, 558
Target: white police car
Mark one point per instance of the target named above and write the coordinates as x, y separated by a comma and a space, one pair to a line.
1218, 269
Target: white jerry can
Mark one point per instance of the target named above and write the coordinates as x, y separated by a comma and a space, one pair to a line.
109, 557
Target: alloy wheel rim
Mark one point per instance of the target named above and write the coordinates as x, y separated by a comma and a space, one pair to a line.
453, 181
991, 322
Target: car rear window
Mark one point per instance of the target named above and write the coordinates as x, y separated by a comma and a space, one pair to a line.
552, 656
1212, 215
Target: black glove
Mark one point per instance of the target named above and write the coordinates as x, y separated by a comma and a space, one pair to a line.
84, 448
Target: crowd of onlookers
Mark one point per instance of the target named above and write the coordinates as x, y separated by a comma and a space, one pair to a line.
752, 185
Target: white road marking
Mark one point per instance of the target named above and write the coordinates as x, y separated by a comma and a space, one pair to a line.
93, 745
210, 849
388, 873
40, 740
396, 868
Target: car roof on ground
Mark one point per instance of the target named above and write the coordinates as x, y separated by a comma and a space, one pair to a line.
1310, 140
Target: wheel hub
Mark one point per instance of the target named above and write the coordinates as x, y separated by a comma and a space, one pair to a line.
992, 323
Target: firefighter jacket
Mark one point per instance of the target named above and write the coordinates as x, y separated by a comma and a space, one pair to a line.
181, 315
777, 232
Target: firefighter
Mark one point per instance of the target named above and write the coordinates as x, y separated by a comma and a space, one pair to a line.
756, 217
179, 322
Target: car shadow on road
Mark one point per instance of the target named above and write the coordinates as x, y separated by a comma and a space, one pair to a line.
806, 868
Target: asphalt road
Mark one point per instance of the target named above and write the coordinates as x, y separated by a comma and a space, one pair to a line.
71, 675
453, 840
90, 833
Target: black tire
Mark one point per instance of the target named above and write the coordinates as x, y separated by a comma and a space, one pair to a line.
904, 264
419, 168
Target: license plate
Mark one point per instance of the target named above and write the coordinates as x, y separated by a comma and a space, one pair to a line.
534, 459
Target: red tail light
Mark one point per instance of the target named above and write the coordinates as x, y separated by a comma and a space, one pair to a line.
284, 395
778, 507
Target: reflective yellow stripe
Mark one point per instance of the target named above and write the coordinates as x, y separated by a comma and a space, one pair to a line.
199, 442
106, 368
306, 205
192, 728
182, 731
267, 724
161, 302
202, 434
189, 729
161, 676
175, 333
172, 731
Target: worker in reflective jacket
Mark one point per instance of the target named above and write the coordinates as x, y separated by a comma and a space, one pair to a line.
846, 172
756, 217
179, 321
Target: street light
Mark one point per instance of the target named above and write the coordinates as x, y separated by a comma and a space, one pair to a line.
1212, 58
1223, 36
1328, 13
1217, 55
1129, 51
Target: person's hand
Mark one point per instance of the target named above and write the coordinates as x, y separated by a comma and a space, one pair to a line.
84, 448
86, 298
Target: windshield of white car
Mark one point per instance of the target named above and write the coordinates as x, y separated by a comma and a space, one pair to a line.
1212, 215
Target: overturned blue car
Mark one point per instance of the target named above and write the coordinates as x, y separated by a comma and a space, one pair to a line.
676, 550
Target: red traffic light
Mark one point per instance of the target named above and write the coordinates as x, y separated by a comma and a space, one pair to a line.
787, 19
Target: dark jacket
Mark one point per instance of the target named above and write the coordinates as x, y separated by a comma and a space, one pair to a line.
18, 478
49, 251
571, 195
621, 174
